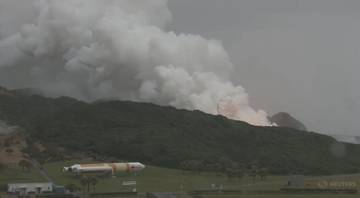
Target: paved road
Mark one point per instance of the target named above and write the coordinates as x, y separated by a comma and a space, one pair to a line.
42, 170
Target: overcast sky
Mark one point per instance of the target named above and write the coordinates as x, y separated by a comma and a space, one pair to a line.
300, 57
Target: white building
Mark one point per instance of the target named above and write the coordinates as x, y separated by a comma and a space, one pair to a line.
30, 188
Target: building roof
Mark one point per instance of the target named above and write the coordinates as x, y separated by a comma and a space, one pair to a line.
31, 183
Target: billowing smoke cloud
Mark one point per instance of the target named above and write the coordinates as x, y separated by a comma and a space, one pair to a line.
92, 49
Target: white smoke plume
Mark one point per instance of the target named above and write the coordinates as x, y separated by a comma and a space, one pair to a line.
6, 129
92, 49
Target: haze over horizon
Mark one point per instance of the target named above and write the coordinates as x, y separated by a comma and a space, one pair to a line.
300, 57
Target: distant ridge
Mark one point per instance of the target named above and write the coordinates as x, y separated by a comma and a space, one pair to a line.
347, 138
283, 119
28, 91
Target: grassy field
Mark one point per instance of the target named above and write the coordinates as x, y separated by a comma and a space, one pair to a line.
155, 179
163, 179
284, 196
16, 175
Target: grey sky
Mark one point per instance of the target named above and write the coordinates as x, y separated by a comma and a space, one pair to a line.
301, 57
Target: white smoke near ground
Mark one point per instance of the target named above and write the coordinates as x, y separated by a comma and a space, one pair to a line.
93, 49
6, 129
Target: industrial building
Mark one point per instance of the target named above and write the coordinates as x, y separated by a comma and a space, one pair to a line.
30, 188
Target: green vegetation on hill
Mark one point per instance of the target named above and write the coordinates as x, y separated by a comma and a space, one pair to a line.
170, 137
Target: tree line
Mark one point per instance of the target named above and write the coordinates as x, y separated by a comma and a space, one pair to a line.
226, 167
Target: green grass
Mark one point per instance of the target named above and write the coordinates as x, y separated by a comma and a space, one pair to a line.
163, 179
285, 196
154, 179
15, 175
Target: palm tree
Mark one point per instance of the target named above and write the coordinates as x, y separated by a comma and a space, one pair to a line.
2, 167
184, 166
84, 181
230, 173
239, 173
253, 172
24, 164
94, 181
263, 173
28, 165
72, 187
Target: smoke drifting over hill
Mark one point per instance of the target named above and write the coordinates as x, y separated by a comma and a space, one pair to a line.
92, 49
6, 129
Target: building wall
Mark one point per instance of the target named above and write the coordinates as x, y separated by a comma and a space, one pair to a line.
26, 188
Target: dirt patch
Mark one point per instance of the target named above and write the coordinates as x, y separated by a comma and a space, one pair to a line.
11, 148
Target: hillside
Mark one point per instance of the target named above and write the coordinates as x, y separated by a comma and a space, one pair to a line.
283, 119
11, 148
169, 137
